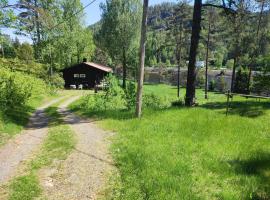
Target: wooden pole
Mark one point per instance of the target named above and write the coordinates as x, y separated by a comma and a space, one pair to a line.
142, 60
228, 102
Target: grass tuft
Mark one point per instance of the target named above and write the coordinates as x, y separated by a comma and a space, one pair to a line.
25, 188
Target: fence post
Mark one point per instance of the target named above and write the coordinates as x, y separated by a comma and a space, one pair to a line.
228, 102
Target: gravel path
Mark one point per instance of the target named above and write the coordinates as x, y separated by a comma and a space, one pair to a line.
82, 175
21, 147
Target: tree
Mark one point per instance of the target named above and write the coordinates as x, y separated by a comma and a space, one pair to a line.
25, 52
210, 27
142, 60
191, 78
178, 27
119, 29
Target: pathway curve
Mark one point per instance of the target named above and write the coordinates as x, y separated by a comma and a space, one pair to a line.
21, 147
82, 174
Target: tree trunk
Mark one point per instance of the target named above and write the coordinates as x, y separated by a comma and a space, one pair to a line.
124, 69
206, 61
196, 28
37, 24
2, 47
233, 73
178, 78
179, 63
142, 59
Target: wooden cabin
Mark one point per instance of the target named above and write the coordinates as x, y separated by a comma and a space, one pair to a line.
85, 75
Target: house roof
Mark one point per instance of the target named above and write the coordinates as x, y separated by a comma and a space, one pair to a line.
98, 66
91, 64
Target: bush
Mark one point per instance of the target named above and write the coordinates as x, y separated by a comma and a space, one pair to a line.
130, 94
212, 85
111, 99
56, 81
241, 82
156, 102
16, 89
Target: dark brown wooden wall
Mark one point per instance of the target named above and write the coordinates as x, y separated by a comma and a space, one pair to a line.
93, 75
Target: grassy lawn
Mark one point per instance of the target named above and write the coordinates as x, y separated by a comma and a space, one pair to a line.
57, 146
196, 153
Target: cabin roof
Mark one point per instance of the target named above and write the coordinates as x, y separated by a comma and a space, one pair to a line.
94, 65
99, 66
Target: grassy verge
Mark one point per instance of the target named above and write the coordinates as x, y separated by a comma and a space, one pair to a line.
13, 121
198, 153
57, 146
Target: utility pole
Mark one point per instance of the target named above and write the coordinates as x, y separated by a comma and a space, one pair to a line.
142, 60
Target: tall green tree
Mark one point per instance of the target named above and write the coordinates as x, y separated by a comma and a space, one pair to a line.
120, 29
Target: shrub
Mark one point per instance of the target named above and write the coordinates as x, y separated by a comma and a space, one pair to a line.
130, 94
212, 85
111, 99
156, 102
241, 81
56, 81
16, 89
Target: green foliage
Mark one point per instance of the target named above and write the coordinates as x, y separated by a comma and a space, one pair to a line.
130, 94
241, 81
17, 88
155, 101
112, 98
25, 188
212, 85
25, 52
229, 64
56, 81
31, 68
262, 79
119, 31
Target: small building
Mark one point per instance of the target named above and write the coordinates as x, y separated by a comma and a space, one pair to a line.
85, 74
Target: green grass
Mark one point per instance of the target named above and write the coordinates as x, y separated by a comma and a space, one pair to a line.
57, 146
191, 153
13, 121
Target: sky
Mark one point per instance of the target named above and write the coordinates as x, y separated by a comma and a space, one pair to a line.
92, 12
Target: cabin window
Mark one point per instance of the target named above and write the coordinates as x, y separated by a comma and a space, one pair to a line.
82, 75
76, 75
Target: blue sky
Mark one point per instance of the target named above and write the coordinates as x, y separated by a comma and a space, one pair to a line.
92, 14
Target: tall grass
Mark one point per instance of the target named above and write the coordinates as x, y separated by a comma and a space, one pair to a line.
192, 153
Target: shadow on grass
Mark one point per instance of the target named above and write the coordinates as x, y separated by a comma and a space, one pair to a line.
250, 109
259, 167
119, 114
18, 115
105, 114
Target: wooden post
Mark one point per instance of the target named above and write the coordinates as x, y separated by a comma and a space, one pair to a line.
142, 59
228, 102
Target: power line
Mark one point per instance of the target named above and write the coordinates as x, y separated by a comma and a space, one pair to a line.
74, 14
